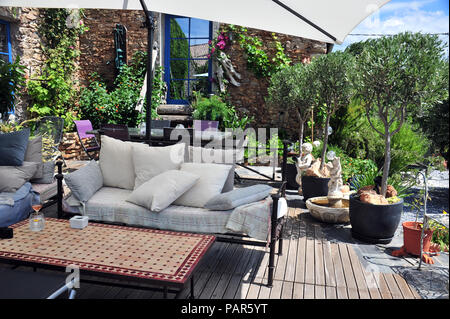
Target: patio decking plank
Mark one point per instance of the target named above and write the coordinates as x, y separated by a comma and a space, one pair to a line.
301, 253
393, 287
339, 272
319, 265
359, 275
348, 272
403, 286
288, 290
310, 257
371, 284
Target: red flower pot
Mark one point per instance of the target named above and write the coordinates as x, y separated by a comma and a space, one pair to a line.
411, 238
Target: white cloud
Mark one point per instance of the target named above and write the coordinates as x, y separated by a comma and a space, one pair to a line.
399, 17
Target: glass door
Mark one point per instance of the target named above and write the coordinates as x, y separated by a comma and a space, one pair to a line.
187, 66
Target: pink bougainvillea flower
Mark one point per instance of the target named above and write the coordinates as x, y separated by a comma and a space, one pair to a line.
212, 50
209, 55
209, 42
221, 45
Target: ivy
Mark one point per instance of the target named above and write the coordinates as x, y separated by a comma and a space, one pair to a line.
258, 60
53, 92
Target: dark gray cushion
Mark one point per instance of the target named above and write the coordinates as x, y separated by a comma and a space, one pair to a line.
13, 177
34, 154
13, 147
48, 173
238, 197
85, 181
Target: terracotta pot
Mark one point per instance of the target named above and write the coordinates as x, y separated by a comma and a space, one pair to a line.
411, 238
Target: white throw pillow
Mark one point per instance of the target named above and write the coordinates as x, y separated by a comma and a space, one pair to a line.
116, 163
151, 161
163, 189
211, 181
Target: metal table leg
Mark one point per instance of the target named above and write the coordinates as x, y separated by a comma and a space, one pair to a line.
192, 287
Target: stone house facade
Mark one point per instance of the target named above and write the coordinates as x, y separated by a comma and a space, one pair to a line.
98, 54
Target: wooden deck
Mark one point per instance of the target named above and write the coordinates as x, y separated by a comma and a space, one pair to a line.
311, 267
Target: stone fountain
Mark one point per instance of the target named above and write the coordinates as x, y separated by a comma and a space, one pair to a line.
333, 208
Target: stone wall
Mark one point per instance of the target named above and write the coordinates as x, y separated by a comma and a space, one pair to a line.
25, 43
249, 97
97, 45
71, 148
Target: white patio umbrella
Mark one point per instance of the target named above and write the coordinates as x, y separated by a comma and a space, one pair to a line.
322, 20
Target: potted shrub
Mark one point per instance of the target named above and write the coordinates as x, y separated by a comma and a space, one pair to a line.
290, 91
394, 75
333, 90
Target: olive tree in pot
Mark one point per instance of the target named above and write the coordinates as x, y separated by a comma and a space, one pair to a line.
290, 91
333, 90
394, 76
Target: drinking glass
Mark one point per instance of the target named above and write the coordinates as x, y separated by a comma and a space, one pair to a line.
37, 220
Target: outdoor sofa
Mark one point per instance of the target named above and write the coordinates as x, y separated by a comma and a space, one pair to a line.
24, 178
164, 188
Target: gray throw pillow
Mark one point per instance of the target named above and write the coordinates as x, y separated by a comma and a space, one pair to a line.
34, 154
48, 173
13, 147
218, 156
85, 181
13, 177
238, 197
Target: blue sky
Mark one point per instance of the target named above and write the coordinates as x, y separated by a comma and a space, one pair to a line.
427, 16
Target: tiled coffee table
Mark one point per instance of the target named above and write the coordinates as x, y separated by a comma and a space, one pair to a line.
158, 258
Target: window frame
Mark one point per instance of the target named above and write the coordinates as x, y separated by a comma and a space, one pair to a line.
8, 37
168, 59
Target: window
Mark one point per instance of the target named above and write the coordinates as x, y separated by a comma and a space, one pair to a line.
187, 66
5, 42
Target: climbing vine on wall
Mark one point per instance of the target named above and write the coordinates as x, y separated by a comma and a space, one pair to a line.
258, 60
54, 91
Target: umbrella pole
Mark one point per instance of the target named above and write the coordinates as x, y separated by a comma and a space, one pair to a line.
149, 23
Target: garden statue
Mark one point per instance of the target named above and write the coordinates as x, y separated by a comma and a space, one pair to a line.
219, 74
229, 69
303, 163
335, 184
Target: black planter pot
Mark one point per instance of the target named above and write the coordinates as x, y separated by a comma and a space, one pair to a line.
291, 173
314, 187
375, 224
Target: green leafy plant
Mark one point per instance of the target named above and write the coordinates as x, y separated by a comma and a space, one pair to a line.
117, 106
53, 91
290, 90
214, 108
396, 74
12, 81
331, 79
258, 60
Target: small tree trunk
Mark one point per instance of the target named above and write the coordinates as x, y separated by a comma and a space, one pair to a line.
300, 137
325, 142
387, 163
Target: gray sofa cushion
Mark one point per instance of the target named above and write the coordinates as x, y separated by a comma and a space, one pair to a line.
34, 154
48, 173
238, 197
109, 204
85, 181
218, 156
211, 181
150, 161
163, 189
13, 177
13, 147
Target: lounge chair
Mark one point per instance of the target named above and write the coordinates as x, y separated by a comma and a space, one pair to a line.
82, 127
